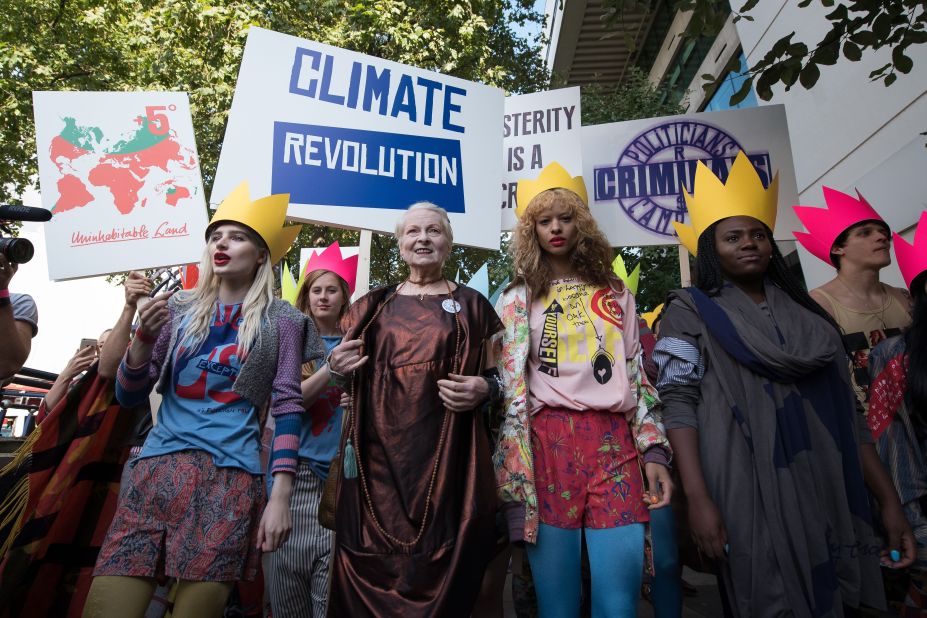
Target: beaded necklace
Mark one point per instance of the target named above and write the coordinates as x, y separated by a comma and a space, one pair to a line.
353, 434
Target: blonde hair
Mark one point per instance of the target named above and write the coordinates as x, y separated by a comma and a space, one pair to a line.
200, 304
302, 298
442, 215
591, 258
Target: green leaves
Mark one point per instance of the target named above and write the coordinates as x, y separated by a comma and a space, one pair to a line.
902, 63
635, 98
809, 75
851, 51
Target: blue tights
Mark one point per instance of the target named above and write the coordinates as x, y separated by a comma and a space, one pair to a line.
616, 559
667, 585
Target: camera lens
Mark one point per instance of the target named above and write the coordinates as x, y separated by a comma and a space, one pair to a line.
16, 250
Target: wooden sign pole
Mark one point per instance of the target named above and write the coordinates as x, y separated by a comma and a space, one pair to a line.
685, 275
363, 264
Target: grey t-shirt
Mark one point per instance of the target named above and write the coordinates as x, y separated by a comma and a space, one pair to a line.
24, 309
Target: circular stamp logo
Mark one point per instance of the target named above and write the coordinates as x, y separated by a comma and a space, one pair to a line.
652, 172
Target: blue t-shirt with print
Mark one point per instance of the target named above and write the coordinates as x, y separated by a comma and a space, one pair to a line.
200, 411
321, 426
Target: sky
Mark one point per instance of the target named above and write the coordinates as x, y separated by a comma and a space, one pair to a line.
69, 310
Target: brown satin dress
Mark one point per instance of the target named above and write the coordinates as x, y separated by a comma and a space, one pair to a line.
399, 422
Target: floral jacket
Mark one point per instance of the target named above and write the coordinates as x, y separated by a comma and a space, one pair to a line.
513, 459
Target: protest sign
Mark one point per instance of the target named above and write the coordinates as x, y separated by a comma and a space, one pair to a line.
538, 128
120, 173
354, 139
636, 171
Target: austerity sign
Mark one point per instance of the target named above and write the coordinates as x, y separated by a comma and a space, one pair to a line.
354, 138
120, 174
538, 128
636, 171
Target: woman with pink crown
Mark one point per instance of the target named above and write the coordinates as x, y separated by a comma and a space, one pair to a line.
898, 406
758, 405
852, 237
193, 507
298, 572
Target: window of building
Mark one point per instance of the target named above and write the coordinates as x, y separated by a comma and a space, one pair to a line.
683, 68
653, 42
729, 85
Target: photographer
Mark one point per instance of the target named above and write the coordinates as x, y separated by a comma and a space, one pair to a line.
18, 323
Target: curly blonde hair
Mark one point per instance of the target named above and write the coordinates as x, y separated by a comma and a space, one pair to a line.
591, 258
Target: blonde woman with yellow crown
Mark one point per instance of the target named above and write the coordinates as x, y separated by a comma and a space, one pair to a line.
581, 434
194, 505
759, 409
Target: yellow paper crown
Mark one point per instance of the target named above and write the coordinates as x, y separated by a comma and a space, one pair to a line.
651, 316
712, 200
632, 280
265, 216
553, 176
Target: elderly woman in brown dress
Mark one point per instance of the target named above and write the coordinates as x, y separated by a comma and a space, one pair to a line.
416, 506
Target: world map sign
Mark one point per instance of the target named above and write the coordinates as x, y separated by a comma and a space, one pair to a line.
120, 174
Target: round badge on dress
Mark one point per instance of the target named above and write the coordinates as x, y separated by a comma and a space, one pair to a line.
451, 306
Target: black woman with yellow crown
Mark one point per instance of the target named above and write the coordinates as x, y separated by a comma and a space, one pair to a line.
758, 406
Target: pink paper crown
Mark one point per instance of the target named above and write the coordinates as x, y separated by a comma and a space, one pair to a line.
912, 258
824, 225
330, 259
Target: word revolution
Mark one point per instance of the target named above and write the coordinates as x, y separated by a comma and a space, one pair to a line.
351, 156
367, 169
415, 98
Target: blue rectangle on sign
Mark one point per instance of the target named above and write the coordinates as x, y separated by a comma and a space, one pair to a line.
333, 166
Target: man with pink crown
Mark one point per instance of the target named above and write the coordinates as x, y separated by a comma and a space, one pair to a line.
853, 238
898, 367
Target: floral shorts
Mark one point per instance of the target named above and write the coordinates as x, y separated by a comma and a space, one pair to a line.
181, 516
586, 470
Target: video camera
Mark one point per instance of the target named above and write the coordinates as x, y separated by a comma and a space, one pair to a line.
19, 250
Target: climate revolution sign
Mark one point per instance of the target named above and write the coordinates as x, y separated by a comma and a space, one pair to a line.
355, 139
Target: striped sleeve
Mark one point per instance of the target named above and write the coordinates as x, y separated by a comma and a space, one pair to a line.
286, 443
678, 363
680, 371
134, 383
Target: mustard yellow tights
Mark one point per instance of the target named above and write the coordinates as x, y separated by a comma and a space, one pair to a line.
128, 597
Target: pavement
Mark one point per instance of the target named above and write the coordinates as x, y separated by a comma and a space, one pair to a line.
705, 604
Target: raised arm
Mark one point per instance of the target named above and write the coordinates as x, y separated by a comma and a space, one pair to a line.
137, 286
137, 372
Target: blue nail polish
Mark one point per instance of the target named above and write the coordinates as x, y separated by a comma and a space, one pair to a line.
727, 548
895, 555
